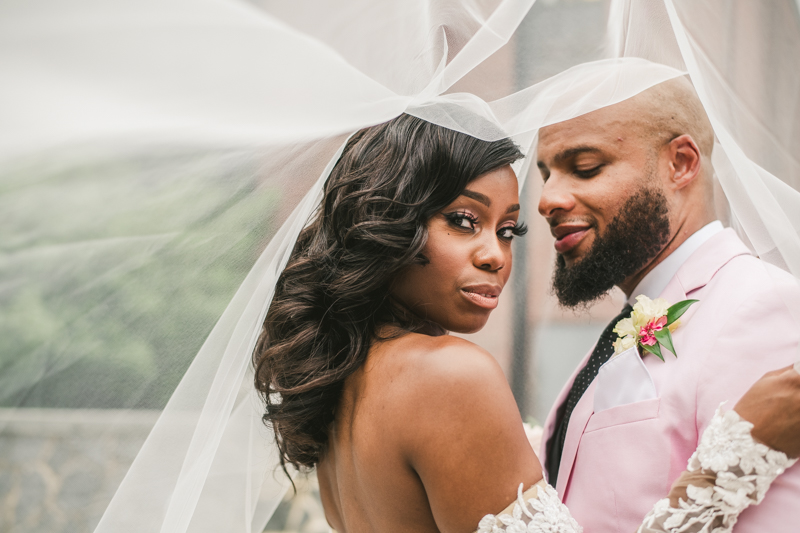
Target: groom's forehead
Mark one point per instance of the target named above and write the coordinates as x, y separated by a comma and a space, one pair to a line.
606, 130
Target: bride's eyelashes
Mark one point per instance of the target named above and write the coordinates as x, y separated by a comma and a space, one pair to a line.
509, 232
462, 219
467, 221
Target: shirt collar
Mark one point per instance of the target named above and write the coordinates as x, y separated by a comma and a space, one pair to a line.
657, 279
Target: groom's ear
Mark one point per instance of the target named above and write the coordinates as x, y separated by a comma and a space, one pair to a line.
684, 161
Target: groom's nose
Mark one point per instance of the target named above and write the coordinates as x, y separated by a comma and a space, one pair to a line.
556, 196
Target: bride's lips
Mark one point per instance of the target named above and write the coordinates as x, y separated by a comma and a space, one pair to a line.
483, 295
568, 236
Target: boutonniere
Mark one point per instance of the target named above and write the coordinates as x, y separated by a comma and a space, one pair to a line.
650, 326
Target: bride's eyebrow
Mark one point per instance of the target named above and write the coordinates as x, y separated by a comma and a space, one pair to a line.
482, 198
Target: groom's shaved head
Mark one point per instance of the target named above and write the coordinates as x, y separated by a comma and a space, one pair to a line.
668, 110
625, 185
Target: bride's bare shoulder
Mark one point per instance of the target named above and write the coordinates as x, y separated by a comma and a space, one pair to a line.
438, 378
443, 361
450, 414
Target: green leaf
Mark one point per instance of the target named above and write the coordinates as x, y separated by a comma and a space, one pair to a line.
664, 337
654, 349
675, 311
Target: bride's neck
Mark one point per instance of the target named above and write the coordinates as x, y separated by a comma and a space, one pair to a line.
411, 322
430, 328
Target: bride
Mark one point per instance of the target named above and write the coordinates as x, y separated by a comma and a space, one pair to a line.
411, 429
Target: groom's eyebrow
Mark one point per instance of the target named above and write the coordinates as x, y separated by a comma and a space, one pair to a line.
572, 152
482, 198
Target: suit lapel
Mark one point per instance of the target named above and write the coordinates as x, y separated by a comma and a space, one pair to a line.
577, 423
550, 422
673, 292
714, 254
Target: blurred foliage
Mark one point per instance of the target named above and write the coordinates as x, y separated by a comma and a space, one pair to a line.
112, 273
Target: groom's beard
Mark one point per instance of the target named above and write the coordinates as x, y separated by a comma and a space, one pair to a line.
633, 238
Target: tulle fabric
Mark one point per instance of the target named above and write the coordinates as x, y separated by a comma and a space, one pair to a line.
286, 83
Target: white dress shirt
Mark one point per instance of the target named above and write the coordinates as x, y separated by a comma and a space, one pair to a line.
657, 279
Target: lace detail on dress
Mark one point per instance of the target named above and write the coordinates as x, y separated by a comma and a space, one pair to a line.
541, 513
744, 470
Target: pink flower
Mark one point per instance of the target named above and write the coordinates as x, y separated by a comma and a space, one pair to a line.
647, 333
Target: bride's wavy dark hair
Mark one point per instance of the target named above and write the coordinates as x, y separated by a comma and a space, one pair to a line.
334, 293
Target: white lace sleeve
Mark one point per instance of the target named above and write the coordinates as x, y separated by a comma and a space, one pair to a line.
538, 510
741, 471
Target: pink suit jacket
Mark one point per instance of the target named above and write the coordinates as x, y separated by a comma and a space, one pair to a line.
617, 463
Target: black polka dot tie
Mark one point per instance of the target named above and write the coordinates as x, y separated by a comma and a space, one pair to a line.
602, 352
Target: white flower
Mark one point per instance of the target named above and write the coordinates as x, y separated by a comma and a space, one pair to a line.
651, 308
646, 310
625, 328
624, 343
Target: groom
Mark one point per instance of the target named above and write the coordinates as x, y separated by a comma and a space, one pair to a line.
628, 195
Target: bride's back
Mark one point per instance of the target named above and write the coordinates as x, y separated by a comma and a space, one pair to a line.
365, 479
401, 418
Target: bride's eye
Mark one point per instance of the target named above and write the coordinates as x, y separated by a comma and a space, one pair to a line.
462, 220
508, 232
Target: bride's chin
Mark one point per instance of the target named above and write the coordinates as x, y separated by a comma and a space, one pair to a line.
470, 325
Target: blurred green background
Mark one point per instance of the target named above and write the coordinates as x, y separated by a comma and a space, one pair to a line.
92, 299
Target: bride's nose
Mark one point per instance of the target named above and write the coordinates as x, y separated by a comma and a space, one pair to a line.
490, 256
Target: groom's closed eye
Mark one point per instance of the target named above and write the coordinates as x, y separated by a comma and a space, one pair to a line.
589, 172
575, 159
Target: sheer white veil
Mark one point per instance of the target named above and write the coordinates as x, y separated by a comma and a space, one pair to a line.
268, 92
